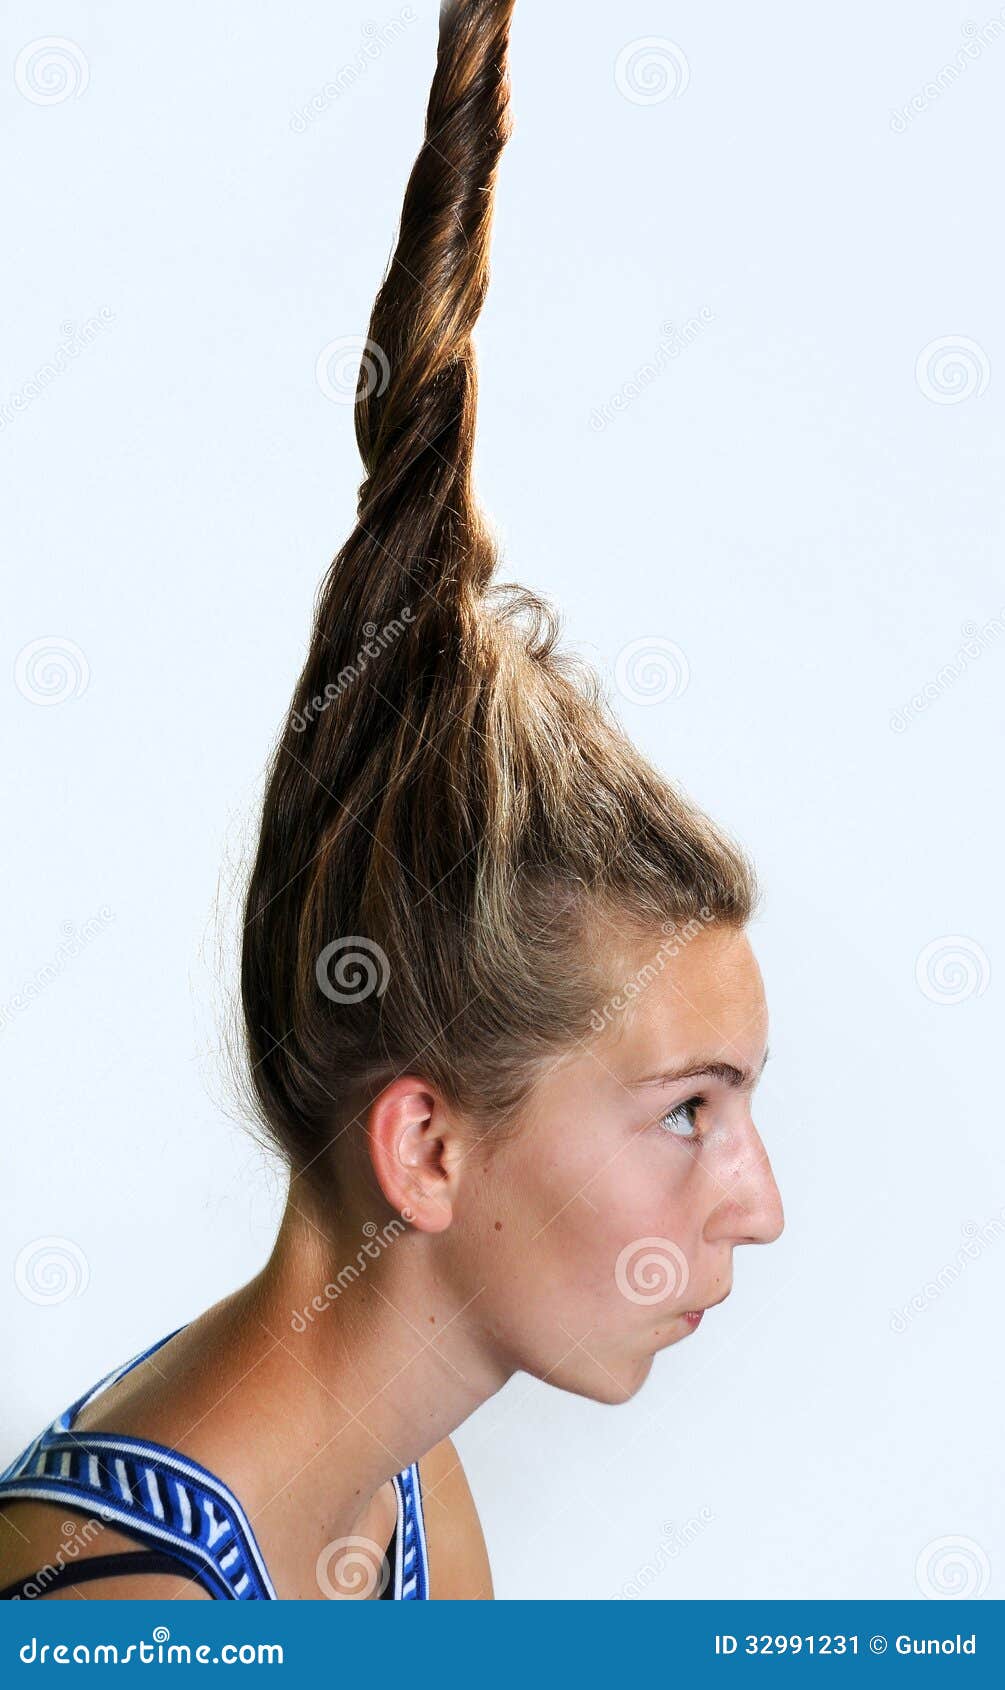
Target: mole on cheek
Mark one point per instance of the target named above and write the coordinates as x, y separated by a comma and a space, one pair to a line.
498, 1226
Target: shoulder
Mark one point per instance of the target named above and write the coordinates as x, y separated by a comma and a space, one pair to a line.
41, 1543
458, 1560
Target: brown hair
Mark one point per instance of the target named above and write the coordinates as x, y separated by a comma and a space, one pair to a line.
452, 814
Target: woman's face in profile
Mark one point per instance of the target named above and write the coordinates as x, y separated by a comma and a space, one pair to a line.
615, 1208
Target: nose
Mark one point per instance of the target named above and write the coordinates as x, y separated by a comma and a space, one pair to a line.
749, 1210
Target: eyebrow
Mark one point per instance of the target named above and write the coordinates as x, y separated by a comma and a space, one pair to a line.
698, 1066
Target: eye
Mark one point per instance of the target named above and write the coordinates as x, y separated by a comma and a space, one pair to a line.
682, 1116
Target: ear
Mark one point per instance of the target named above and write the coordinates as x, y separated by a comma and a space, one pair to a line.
414, 1151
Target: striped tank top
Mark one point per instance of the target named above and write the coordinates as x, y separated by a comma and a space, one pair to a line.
190, 1520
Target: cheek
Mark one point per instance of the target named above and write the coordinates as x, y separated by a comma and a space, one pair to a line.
652, 1187
608, 1219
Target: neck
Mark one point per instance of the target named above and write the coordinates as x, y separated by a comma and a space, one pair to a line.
366, 1354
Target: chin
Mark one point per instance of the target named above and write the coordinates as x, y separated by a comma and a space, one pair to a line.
612, 1383
635, 1377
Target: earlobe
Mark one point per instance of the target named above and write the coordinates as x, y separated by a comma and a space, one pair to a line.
408, 1150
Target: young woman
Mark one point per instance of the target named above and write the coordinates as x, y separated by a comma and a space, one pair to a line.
503, 1023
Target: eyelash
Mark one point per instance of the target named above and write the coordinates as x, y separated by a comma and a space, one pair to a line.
687, 1111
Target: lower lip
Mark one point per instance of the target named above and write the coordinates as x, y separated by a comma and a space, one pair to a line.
694, 1319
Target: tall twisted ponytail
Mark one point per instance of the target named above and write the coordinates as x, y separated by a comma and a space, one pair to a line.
453, 822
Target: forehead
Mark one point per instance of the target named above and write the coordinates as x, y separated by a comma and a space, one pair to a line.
683, 993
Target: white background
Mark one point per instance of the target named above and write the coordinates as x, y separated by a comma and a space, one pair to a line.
788, 502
